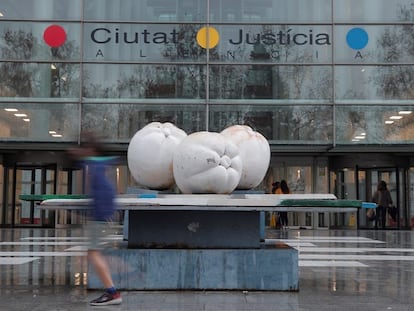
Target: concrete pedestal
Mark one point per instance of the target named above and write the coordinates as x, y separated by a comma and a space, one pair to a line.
194, 229
186, 237
268, 268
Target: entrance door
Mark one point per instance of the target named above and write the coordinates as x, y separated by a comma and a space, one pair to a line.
28, 180
303, 175
361, 183
368, 179
342, 184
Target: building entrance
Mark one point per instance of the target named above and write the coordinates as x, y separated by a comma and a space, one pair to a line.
24, 176
29, 180
361, 183
368, 179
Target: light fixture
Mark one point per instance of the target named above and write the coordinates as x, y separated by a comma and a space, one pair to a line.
26, 120
405, 112
20, 115
52, 132
1, 14
11, 109
52, 66
396, 117
389, 122
57, 135
360, 137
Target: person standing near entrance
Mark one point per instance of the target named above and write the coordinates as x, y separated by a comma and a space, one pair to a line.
275, 186
383, 199
275, 217
284, 189
102, 193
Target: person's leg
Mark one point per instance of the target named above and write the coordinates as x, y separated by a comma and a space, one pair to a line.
101, 267
96, 231
284, 219
384, 216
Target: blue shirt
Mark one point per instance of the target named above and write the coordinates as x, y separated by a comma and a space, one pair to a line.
102, 191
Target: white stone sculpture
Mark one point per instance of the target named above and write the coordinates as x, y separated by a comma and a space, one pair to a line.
254, 151
150, 154
207, 162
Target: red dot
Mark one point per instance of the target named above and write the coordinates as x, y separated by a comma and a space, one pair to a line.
54, 36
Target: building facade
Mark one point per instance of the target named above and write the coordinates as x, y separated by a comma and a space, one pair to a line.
329, 83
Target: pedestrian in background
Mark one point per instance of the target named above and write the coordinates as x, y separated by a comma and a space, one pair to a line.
275, 186
275, 217
284, 189
383, 199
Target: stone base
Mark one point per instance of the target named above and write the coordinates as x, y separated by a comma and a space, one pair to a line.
272, 268
194, 229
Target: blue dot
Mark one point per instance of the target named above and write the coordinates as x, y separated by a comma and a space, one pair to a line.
357, 38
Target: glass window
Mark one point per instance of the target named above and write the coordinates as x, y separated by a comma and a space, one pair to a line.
292, 124
374, 44
373, 11
229, 43
271, 82
410, 207
280, 11
39, 122
41, 9
374, 124
374, 83
146, 10
144, 81
39, 41
119, 122
29, 80
142, 42
274, 43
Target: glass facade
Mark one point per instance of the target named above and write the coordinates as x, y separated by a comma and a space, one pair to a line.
315, 77
299, 71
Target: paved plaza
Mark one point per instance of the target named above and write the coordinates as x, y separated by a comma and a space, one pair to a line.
46, 269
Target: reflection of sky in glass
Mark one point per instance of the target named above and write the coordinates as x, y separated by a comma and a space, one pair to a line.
367, 82
220, 11
380, 11
368, 124
41, 9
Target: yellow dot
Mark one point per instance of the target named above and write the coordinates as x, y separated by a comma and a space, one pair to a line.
208, 37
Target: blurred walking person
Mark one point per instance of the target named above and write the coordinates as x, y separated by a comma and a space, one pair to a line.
102, 194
